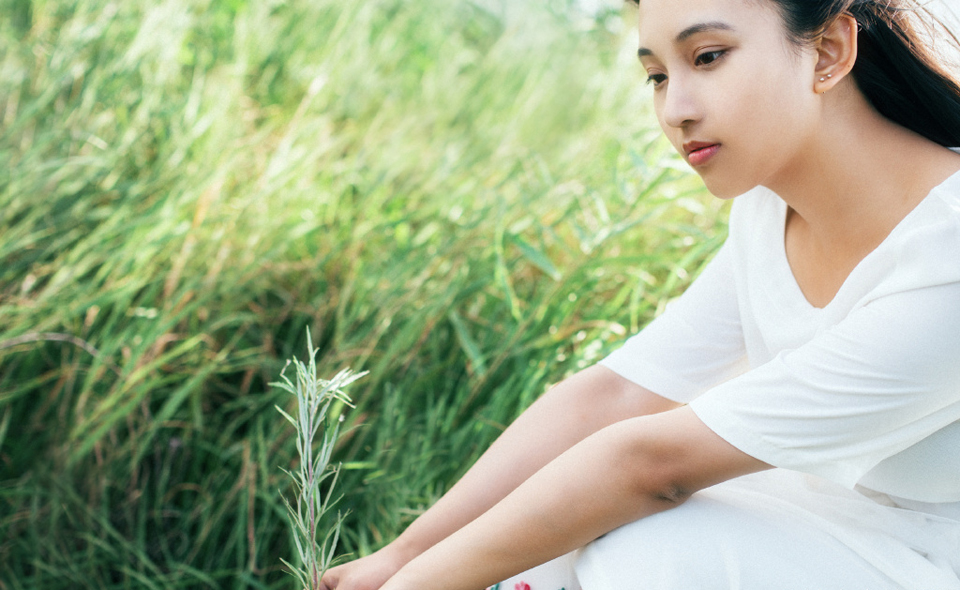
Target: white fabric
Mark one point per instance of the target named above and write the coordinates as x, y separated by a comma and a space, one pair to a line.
865, 390
776, 529
857, 402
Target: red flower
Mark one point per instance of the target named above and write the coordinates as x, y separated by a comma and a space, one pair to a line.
521, 586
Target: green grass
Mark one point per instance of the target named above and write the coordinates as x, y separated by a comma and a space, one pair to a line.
467, 204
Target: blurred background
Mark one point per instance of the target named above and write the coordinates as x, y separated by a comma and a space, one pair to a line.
469, 200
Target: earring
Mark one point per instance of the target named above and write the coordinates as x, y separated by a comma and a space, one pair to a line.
828, 77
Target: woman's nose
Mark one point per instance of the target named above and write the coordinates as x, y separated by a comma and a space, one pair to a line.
680, 106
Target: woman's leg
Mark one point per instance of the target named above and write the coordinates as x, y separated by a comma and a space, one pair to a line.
738, 537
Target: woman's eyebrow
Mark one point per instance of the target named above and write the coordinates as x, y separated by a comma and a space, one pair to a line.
690, 32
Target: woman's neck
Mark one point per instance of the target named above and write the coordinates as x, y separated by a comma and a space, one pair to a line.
860, 176
848, 189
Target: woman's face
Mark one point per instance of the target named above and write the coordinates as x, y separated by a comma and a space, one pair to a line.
731, 92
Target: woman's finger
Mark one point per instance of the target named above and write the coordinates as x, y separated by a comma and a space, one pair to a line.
328, 582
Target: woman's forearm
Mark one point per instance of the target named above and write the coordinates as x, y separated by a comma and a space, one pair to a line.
568, 413
567, 504
623, 473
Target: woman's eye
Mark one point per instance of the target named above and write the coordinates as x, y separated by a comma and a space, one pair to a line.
656, 79
708, 57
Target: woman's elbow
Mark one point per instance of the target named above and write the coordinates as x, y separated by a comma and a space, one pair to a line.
653, 471
667, 458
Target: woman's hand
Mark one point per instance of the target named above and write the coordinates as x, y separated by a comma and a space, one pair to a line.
367, 573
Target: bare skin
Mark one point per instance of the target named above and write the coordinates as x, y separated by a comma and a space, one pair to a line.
622, 473
568, 413
795, 123
599, 452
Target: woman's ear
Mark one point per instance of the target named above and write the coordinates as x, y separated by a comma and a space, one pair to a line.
837, 52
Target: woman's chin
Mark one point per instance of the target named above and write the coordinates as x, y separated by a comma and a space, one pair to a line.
725, 189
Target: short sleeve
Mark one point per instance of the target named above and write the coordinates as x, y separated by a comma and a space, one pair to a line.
859, 392
695, 344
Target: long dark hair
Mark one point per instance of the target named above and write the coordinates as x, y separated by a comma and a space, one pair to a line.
896, 69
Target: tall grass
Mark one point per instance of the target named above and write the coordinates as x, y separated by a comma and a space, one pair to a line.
468, 204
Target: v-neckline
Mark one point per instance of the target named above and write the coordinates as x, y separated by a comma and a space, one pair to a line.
784, 260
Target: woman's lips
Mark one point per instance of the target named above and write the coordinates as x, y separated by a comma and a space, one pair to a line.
699, 154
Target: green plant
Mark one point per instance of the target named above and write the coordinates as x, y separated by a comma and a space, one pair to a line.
470, 202
315, 397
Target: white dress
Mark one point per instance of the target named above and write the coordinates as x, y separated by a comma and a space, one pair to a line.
856, 404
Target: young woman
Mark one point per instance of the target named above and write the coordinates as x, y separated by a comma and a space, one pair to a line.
823, 341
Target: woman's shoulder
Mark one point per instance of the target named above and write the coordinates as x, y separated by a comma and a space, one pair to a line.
940, 211
946, 166
948, 192
922, 250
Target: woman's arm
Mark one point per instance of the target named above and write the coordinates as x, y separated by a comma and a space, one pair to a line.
571, 411
624, 472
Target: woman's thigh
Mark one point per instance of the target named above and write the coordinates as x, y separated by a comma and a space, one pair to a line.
774, 529
740, 535
708, 544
